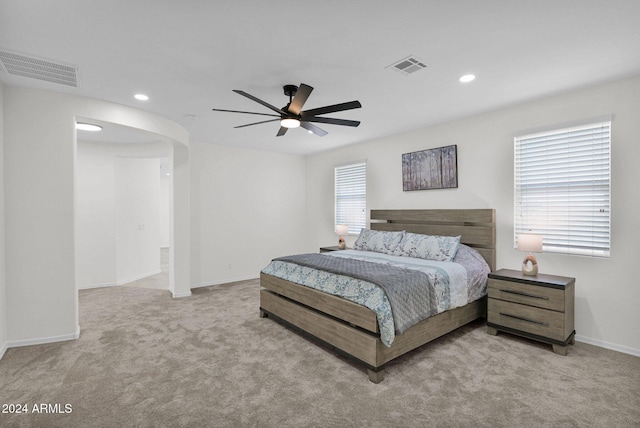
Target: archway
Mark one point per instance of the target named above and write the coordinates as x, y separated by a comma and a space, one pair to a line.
178, 159
40, 137
122, 208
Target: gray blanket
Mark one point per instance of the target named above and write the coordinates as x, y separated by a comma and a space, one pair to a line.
409, 291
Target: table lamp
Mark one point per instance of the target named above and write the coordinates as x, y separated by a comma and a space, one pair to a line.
531, 243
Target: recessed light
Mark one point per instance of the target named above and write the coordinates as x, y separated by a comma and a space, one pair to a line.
88, 127
141, 97
467, 78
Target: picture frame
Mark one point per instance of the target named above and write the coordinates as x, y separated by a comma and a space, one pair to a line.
430, 169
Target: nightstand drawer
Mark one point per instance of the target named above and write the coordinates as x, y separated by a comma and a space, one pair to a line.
541, 322
526, 294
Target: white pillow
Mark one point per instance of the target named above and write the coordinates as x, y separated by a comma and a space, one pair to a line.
430, 247
379, 241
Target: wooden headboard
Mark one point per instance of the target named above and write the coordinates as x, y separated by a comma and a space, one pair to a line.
477, 227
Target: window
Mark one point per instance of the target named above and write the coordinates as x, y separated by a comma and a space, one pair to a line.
351, 196
562, 188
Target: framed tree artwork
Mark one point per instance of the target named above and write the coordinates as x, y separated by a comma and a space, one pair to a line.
430, 169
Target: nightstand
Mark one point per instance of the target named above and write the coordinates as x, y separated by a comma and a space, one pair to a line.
538, 307
328, 249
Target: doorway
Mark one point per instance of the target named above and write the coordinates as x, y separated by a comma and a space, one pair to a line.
123, 197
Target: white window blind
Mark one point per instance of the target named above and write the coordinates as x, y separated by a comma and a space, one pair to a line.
562, 189
351, 196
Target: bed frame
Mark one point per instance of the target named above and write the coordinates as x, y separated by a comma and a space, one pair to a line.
352, 329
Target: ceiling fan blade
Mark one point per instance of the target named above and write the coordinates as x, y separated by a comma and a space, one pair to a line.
302, 94
256, 123
332, 121
282, 131
246, 112
259, 101
331, 109
311, 127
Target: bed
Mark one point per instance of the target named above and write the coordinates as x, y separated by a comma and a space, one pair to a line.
353, 329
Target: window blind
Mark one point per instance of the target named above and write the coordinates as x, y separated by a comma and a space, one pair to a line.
351, 196
562, 189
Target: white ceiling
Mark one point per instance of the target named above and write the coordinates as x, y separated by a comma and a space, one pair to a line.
188, 56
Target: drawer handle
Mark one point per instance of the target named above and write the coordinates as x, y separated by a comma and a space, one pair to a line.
520, 293
524, 319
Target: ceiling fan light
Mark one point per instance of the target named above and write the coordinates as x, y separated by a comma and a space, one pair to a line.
290, 122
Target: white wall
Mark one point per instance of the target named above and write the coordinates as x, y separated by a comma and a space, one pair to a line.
40, 147
607, 290
102, 259
247, 207
95, 222
3, 305
165, 205
137, 218
39, 190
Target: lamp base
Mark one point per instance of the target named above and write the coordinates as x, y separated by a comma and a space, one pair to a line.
530, 265
341, 243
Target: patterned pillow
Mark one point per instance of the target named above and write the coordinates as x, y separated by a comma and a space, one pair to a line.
430, 247
378, 240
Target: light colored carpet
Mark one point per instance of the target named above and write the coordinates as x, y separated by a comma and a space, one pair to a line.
147, 360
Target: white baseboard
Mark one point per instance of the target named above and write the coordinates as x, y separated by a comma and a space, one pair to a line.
43, 340
137, 277
204, 284
180, 295
608, 345
225, 281
121, 282
209, 284
3, 349
90, 286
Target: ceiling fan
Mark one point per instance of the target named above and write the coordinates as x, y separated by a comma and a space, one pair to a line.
292, 116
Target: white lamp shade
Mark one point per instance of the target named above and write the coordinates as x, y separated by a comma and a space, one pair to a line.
342, 229
530, 242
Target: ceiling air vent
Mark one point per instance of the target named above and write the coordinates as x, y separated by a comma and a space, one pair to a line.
37, 68
408, 65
